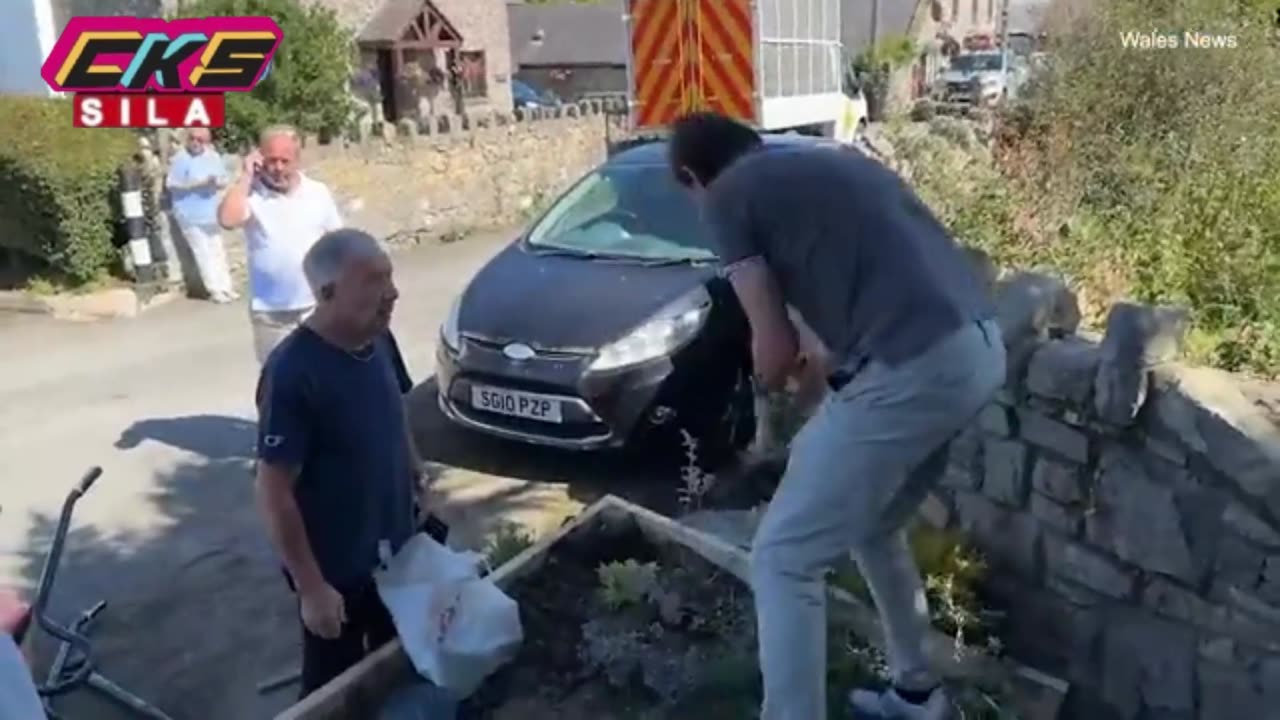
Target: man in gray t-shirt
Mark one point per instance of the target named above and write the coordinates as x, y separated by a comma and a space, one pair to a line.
914, 354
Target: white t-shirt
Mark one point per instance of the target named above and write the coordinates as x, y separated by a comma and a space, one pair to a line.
18, 698
280, 230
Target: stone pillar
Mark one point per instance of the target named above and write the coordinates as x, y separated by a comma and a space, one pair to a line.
155, 199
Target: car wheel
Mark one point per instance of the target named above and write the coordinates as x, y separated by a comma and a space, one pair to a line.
718, 435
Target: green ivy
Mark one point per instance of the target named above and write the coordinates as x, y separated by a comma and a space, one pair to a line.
59, 187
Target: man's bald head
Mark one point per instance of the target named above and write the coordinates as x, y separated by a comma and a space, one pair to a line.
281, 149
197, 139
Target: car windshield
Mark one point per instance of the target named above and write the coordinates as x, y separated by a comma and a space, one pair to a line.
625, 211
985, 62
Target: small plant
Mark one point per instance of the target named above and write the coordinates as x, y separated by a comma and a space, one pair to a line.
695, 482
508, 541
626, 584
953, 572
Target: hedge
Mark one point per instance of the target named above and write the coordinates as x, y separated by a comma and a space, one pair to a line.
59, 187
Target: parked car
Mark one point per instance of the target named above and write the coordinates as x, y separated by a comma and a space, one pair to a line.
524, 96
979, 79
606, 324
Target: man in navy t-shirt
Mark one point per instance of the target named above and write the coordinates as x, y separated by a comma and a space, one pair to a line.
336, 465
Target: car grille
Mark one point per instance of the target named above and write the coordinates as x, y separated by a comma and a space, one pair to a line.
539, 352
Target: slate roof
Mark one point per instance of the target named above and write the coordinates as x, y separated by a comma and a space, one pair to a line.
392, 17
571, 33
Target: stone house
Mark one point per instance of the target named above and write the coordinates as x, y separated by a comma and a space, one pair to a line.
32, 27
936, 27
571, 49
431, 57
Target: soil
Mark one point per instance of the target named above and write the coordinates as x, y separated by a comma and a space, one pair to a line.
673, 654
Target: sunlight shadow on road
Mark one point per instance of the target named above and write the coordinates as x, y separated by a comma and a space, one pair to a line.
198, 611
216, 437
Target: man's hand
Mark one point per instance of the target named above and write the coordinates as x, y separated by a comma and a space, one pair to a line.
323, 611
252, 163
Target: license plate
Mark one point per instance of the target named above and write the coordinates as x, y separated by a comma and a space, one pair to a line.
516, 403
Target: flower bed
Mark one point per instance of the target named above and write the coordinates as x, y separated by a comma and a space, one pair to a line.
629, 614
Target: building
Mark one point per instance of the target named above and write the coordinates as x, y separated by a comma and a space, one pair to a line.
574, 50
431, 57
937, 28
31, 28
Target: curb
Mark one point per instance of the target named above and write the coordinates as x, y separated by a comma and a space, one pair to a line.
112, 304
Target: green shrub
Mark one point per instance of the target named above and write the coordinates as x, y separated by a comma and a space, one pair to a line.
1153, 175
59, 187
307, 85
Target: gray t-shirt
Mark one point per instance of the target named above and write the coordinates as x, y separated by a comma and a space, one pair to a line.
854, 250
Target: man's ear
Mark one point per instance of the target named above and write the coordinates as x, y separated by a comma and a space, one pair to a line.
326, 292
690, 177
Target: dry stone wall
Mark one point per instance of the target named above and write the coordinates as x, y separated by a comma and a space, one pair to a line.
449, 175
452, 174
1133, 507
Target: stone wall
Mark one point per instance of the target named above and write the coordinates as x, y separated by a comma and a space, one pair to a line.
1132, 506
459, 174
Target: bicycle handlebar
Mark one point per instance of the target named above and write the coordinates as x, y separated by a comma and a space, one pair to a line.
88, 480
40, 608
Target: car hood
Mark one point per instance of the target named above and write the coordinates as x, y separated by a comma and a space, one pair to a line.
568, 303
955, 76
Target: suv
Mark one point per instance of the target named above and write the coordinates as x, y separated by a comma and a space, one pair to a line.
979, 79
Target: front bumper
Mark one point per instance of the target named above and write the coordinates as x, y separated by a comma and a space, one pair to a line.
598, 410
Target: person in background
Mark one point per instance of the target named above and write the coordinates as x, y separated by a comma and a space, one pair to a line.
337, 469
283, 212
914, 355
196, 176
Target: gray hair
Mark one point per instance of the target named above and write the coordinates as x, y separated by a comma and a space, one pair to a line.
288, 131
327, 258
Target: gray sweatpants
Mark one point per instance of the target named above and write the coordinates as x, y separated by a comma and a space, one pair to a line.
858, 470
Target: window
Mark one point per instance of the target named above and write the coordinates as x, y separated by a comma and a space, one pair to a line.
634, 211
973, 15
470, 76
991, 10
955, 11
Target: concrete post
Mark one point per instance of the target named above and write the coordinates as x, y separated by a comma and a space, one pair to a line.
135, 222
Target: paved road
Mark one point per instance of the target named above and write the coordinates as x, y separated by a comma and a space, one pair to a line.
199, 613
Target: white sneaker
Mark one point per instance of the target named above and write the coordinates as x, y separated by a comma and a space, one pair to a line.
888, 705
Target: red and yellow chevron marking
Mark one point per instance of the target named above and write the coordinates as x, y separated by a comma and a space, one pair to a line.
691, 55
727, 66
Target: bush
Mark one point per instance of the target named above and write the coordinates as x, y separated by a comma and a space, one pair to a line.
59, 187
307, 85
1153, 175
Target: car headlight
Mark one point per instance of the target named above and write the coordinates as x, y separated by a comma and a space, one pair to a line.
664, 333
449, 334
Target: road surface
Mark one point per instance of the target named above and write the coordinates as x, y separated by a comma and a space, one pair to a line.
199, 613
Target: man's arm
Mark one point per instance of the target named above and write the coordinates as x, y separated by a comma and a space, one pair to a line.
736, 234
284, 524
234, 210
282, 445
774, 345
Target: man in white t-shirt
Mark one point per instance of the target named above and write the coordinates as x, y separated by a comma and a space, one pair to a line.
283, 212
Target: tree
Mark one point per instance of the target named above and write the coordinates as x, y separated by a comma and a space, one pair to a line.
307, 85
874, 68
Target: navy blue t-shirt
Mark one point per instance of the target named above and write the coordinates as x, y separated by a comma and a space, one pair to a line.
338, 416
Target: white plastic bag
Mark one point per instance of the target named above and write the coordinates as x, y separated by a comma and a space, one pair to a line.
456, 627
